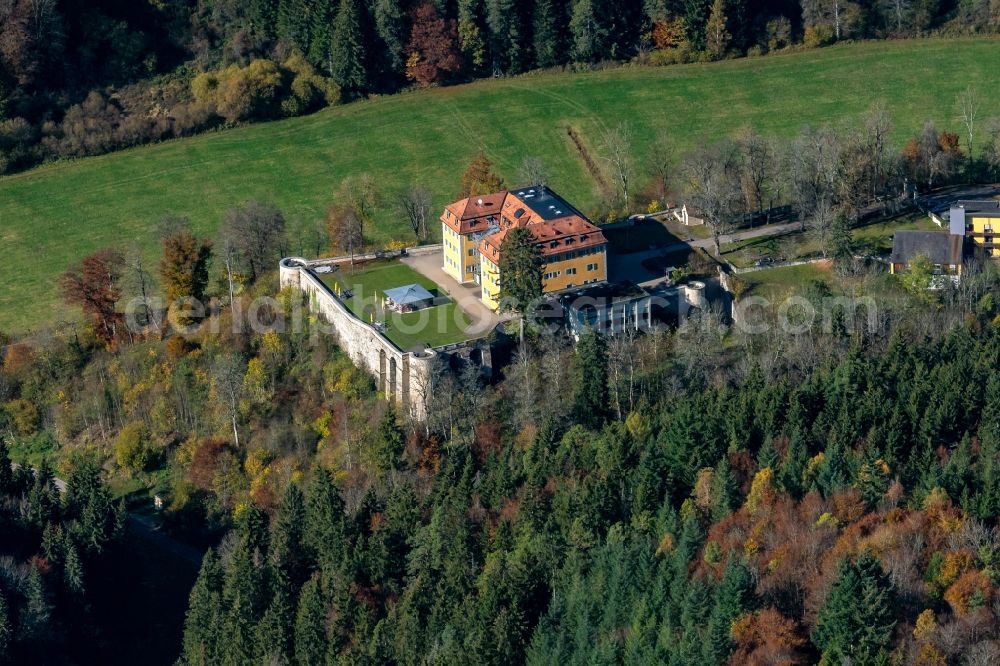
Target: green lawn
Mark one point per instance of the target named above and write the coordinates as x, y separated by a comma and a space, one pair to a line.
51, 216
433, 327
775, 284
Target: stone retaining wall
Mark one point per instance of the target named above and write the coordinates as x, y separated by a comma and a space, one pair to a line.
404, 377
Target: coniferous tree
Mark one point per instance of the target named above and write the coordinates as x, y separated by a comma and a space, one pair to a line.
201, 624
325, 528
521, 268
696, 13
73, 572
272, 635
310, 622
6, 630
549, 29
471, 30
347, 49
290, 567
590, 379
6, 473
733, 597
294, 23
856, 620
479, 177
390, 26
725, 490
389, 444
35, 614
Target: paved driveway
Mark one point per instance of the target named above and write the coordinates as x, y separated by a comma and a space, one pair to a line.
628, 267
466, 295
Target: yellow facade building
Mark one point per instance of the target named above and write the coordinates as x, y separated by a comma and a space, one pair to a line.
573, 249
979, 221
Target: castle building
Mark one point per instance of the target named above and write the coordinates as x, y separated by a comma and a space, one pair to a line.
573, 249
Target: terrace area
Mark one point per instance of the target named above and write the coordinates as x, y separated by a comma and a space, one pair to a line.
363, 290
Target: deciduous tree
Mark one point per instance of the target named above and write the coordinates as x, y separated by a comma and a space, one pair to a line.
415, 205
184, 266
433, 49
94, 286
479, 177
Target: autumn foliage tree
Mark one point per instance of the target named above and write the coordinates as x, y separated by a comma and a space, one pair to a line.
184, 266
94, 286
346, 228
480, 178
433, 47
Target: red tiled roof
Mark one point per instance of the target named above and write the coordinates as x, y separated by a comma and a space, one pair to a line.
467, 215
572, 231
553, 236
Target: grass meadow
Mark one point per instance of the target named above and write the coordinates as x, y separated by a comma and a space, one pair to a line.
55, 214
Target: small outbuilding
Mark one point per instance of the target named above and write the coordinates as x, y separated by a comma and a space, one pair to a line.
408, 298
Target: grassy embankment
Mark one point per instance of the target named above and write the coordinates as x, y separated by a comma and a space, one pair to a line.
51, 216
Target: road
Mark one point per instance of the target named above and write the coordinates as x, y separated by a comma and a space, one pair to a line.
629, 267
941, 200
146, 529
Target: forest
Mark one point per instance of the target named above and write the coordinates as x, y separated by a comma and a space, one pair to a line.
90, 77
701, 495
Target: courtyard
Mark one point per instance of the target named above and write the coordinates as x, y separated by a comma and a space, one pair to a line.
362, 289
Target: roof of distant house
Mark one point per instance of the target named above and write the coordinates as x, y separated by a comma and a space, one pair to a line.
938, 247
410, 294
984, 207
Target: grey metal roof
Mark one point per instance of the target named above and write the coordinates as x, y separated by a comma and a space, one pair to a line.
547, 204
409, 294
986, 207
939, 247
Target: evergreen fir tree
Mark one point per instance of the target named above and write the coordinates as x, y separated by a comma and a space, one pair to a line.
272, 639
521, 268
549, 28
791, 476
325, 528
287, 552
590, 379
294, 23
37, 610
470, 35
856, 620
347, 50
73, 572
201, 624
725, 490
767, 456
733, 597
6, 474
310, 623
390, 25
390, 443
6, 631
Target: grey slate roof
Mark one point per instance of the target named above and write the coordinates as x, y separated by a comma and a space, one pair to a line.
409, 294
939, 247
985, 207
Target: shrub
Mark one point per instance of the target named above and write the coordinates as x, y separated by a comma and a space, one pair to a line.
24, 415
818, 35
132, 448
